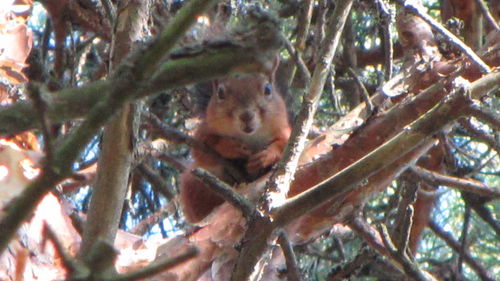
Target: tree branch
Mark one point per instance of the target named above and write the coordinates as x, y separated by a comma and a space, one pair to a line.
143, 226
118, 139
364, 92
409, 266
387, 18
226, 192
159, 266
156, 180
177, 136
127, 81
417, 10
292, 269
486, 115
487, 14
481, 135
468, 185
369, 234
452, 243
279, 182
348, 179
208, 63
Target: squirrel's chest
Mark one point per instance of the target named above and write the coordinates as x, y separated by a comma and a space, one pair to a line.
257, 141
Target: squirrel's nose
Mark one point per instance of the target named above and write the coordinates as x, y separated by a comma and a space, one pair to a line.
246, 116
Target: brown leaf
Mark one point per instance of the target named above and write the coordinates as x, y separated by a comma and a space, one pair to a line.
16, 41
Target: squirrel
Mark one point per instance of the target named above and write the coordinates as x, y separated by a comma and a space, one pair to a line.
246, 121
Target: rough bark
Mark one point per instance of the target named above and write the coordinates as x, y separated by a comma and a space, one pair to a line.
118, 140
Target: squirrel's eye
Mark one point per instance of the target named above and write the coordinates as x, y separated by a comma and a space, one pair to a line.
268, 89
221, 93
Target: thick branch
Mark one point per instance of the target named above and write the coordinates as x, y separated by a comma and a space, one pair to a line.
126, 84
117, 143
279, 182
211, 62
450, 36
171, 34
348, 179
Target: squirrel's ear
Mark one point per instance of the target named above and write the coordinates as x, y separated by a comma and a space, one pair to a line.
215, 85
276, 62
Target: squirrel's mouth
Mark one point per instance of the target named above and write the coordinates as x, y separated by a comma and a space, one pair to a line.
248, 129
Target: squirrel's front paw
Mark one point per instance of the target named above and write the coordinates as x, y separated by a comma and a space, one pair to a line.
262, 160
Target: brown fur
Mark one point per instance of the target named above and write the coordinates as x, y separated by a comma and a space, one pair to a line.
246, 120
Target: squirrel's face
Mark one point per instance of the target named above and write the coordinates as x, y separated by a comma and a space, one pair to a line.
241, 106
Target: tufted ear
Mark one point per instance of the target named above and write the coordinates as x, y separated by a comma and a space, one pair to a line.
271, 74
215, 85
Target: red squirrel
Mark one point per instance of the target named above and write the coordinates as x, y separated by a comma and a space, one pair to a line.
246, 121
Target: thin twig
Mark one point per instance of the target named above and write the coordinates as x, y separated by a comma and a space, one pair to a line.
468, 185
481, 135
157, 149
146, 224
225, 191
405, 231
404, 216
292, 268
173, 134
172, 160
487, 14
463, 238
177, 136
110, 10
454, 40
366, 96
44, 45
369, 234
485, 114
159, 266
452, 243
340, 247
303, 23
410, 267
343, 271
72, 266
316, 253
387, 19
477, 203
319, 32
156, 180
41, 106
298, 60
